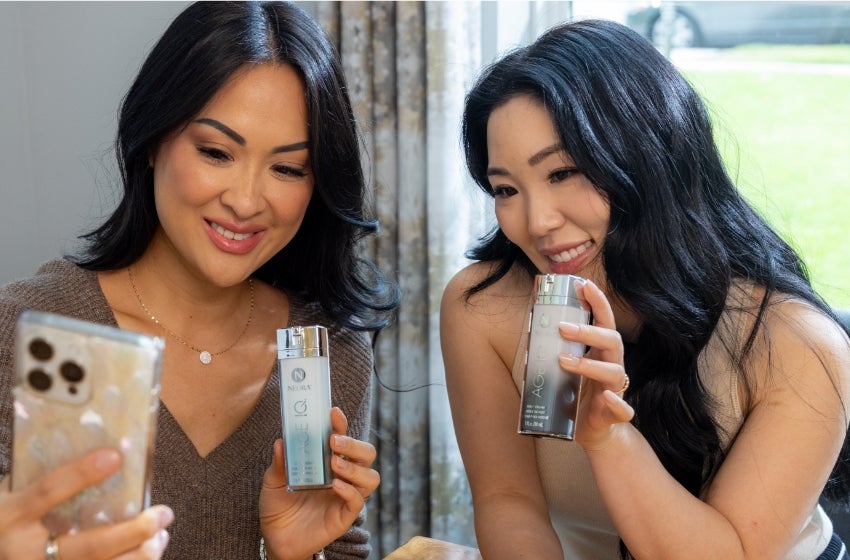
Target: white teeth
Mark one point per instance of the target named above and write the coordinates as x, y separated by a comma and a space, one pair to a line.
230, 234
572, 253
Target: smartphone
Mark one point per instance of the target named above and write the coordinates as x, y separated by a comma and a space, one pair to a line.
81, 386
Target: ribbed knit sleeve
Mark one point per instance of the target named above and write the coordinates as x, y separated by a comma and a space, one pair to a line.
58, 287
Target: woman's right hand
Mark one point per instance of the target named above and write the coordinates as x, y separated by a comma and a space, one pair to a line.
23, 536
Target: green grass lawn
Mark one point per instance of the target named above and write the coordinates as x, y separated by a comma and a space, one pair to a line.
786, 140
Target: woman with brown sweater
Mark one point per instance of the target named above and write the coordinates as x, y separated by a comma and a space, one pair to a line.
243, 202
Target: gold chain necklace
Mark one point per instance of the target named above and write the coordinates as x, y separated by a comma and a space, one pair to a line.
205, 356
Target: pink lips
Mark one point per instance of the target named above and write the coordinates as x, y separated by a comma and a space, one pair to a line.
568, 259
233, 239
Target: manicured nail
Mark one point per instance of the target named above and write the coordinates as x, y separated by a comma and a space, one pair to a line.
568, 359
160, 516
164, 515
612, 397
339, 442
154, 546
341, 462
568, 329
107, 459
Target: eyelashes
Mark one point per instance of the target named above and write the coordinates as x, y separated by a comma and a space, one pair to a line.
562, 174
557, 176
218, 157
214, 153
290, 171
503, 191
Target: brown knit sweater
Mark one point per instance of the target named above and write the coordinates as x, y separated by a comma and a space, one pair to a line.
214, 498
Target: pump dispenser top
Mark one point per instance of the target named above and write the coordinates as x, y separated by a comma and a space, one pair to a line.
557, 289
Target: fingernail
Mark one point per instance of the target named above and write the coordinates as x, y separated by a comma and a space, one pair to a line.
580, 284
160, 515
568, 359
107, 459
339, 442
165, 515
154, 546
341, 462
612, 397
568, 329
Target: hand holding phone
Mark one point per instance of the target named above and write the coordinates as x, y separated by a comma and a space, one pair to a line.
22, 534
82, 386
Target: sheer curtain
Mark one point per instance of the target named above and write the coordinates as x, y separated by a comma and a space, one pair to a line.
408, 65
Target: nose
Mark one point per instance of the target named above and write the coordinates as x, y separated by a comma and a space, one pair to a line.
543, 215
244, 196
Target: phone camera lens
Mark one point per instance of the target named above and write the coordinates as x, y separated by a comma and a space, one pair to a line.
41, 350
71, 372
39, 380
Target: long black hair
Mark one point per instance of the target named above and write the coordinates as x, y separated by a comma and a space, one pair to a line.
197, 54
679, 232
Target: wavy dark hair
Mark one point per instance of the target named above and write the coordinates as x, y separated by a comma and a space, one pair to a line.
197, 54
679, 230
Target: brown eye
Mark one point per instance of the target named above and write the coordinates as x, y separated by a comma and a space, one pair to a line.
562, 174
289, 171
213, 153
502, 191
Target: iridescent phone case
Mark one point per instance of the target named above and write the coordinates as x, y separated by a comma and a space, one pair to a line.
81, 386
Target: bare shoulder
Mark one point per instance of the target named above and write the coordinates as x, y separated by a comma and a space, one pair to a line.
804, 347
799, 321
494, 315
497, 302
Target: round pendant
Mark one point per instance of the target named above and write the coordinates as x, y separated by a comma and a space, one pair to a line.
205, 357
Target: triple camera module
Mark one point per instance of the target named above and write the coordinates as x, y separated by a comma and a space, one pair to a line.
39, 375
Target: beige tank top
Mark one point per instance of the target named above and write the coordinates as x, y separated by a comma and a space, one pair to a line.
575, 507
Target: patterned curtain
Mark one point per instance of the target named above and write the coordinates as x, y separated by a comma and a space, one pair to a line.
408, 66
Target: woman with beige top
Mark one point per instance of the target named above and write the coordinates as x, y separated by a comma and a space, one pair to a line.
716, 384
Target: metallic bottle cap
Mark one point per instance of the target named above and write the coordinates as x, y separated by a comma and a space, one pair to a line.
302, 342
557, 289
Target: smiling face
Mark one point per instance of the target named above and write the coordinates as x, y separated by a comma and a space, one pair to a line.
544, 205
232, 186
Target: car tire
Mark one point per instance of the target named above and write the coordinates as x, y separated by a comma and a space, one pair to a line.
685, 33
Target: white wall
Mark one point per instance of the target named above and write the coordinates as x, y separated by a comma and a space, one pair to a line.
64, 67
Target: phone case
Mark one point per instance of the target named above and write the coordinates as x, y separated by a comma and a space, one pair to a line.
81, 386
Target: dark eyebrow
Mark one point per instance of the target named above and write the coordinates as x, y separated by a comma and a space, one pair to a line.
239, 139
223, 128
544, 153
532, 161
290, 147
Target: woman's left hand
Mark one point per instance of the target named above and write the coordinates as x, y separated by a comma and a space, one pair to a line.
297, 524
601, 407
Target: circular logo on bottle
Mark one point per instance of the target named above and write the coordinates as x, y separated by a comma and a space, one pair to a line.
299, 375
